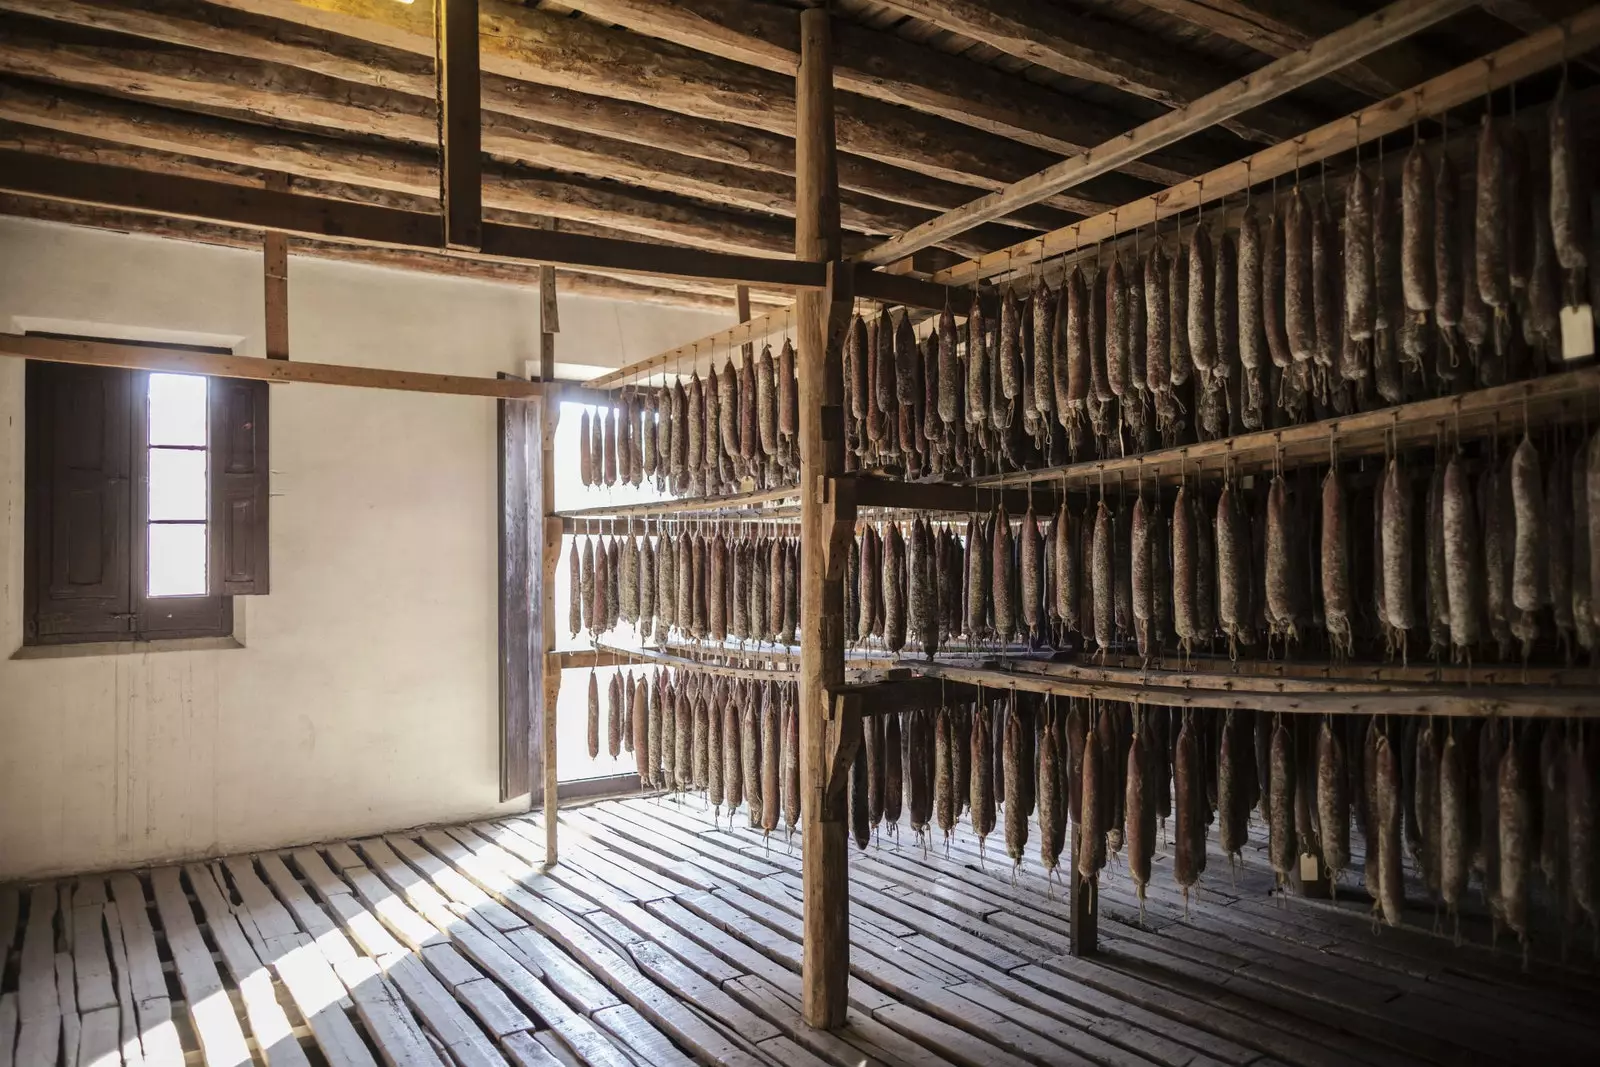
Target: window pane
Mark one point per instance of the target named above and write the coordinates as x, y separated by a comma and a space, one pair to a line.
177, 484
177, 409
177, 560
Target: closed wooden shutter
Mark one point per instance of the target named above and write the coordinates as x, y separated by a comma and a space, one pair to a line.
240, 479
521, 584
79, 479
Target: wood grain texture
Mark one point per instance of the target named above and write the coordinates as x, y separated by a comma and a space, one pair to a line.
1512, 63
1199, 112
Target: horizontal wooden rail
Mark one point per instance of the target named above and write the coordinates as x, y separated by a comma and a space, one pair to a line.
688, 356
1516, 61
944, 497
1218, 672
1339, 49
1562, 397
1324, 698
870, 285
220, 365
732, 506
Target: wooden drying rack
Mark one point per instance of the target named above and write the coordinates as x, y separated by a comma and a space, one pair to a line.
832, 708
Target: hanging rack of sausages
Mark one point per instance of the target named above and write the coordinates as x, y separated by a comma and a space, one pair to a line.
1281, 510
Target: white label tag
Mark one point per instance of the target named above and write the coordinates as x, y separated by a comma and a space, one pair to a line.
1577, 332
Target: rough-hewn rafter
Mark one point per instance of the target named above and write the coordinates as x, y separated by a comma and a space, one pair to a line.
891, 68
1082, 46
584, 56
1333, 52
412, 170
271, 41
1278, 27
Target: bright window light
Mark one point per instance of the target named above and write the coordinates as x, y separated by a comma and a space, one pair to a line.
178, 487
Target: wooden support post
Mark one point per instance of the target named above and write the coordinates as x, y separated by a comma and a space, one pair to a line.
826, 961
275, 280
460, 131
550, 694
741, 304
522, 626
1084, 901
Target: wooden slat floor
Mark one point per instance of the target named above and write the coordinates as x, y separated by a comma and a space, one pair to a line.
666, 937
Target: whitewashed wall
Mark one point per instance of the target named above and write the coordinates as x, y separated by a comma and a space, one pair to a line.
365, 697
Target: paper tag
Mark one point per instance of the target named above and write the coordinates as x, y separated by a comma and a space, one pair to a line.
1577, 332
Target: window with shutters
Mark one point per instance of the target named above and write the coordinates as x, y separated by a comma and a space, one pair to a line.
146, 503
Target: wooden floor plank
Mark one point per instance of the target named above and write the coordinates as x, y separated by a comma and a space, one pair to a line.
127, 1020
782, 1050
413, 930
1036, 1040
159, 1034
322, 931
38, 1000
619, 975
362, 927
951, 1042
91, 965
859, 1041
524, 1050
453, 884
99, 1044
67, 994
301, 960
210, 1010
36, 975
633, 1031
272, 920
269, 1024
438, 1009
8, 1027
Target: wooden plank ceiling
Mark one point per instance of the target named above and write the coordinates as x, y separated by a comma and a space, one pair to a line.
670, 120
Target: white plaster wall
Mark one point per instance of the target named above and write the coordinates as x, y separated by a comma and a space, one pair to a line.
366, 696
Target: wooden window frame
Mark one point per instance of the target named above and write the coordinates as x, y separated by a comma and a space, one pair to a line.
128, 613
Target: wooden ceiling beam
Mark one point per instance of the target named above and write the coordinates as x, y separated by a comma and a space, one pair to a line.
678, 291
1465, 83
223, 67
210, 81
1398, 20
247, 206
364, 224
271, 41
1107, 53
1278, 27
526, 276
355, 162
894, 69
584, 56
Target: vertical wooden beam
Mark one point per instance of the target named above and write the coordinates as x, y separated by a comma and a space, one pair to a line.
741, 303
549, 313
550, 690
826, 959
460, 131
1083, 934
275, 280
520, 621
